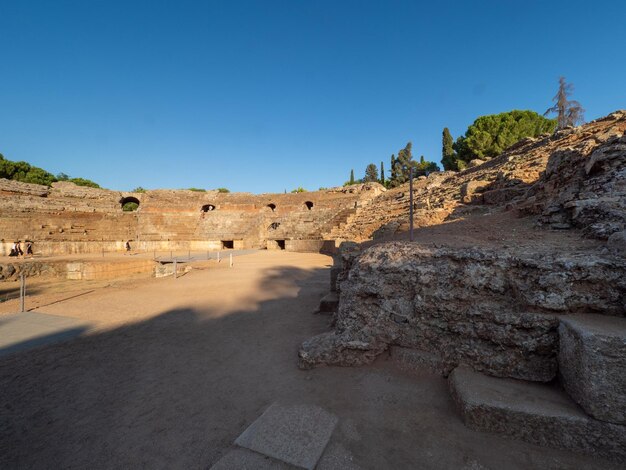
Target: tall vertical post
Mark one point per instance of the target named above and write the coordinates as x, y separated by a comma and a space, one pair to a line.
175, 268
231, 260
411, 206
218, 256
22, 291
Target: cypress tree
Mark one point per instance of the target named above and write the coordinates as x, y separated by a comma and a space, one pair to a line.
448, 159
351, 176
382, 174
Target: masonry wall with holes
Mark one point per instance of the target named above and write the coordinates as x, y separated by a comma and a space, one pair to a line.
66, 218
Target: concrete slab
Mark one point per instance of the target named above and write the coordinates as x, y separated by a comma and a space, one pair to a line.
295, 434
244, 459
22, 331
533, 412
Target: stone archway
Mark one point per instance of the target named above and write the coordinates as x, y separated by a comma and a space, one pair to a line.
129, 204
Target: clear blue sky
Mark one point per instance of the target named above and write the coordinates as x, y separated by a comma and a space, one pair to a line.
270, 95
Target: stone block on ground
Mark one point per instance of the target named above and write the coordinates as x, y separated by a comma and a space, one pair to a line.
329, 303
295, 434
536, 413
592, 364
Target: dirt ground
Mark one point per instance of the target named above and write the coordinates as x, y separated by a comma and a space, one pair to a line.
176, 369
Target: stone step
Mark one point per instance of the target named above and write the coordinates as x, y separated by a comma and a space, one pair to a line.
536, 413
329, 303
592, 364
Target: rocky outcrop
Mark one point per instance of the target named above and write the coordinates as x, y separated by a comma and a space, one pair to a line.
574, 178
585, 187
495, 311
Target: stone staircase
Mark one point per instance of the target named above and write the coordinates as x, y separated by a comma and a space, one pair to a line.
584, 412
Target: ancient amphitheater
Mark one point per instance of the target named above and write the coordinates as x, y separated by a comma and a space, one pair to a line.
495, 339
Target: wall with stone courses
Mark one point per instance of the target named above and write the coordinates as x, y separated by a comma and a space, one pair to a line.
495, 311
71, 219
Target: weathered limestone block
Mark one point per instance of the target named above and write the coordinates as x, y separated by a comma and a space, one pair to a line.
536, 413
491, 310
470, 188
592, 364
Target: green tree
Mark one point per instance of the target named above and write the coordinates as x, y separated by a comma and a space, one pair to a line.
351, 177
299, 189
490, 135
448, 155
371, 174
138, 189
84, 182
569, 112
62, 177
382, 174
226, 190
401, 165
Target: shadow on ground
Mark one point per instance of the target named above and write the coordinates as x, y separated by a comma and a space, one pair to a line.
176, 390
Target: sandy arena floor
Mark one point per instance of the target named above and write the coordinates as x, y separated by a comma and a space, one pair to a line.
175, 370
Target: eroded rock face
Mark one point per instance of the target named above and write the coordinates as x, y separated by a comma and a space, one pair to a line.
491, 310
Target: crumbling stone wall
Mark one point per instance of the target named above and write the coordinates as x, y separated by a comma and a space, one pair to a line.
495, 311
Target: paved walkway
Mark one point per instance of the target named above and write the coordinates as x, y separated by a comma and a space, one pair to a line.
22, 331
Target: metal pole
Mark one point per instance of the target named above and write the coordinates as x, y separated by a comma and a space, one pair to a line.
411, 207
22, 292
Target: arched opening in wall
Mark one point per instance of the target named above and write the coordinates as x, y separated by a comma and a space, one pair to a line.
129, 204
273, 226
272, 206
208, 208
228, 244
309, 205
276, 244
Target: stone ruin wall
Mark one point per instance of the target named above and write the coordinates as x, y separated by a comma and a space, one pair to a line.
575, 178
71, 219
495, 311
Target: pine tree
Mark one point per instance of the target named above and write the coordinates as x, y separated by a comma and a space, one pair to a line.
382, 174
371, 174
569, 113
448, 159
351, 176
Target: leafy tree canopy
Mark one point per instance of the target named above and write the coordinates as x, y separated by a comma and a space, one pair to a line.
26, 173
84, 182
490, 135
402, 164
371, 174
223, 190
